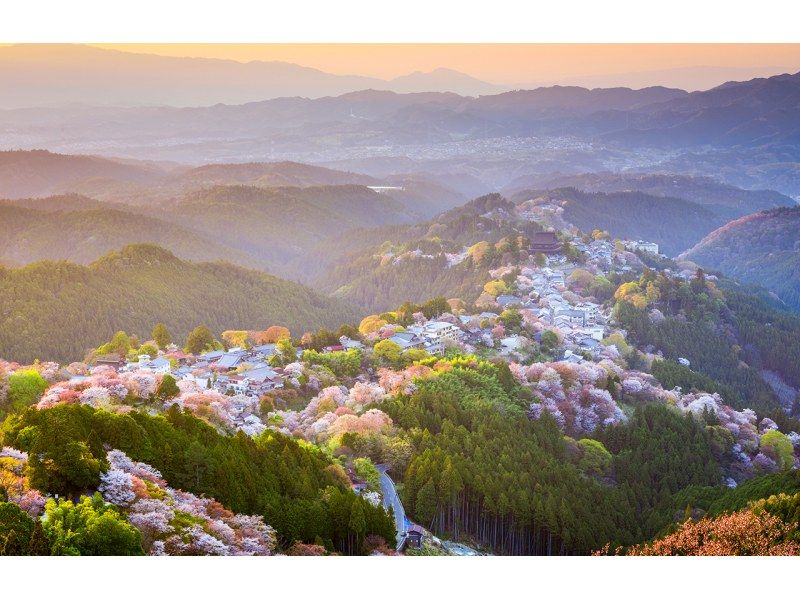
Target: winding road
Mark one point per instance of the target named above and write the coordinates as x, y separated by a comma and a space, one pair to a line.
391, 499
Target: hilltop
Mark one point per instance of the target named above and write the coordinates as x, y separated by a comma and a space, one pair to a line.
80, 230
58, 310
761, 249
675, 224
719, 197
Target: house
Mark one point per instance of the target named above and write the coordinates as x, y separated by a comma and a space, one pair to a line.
512, 344
507, 300
349, 343
414, 536
178, 356
264, 351
571, 357
645, 246
237, 384
262, 379
231, 360
113, 360
159, 365
407, 340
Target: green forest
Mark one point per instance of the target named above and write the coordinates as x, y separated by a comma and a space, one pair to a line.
59, 310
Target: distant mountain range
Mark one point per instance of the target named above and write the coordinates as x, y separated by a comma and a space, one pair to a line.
761, 249
271, 216
743, 133
91, 75
58, 310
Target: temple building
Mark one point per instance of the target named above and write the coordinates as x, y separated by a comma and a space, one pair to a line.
545, 242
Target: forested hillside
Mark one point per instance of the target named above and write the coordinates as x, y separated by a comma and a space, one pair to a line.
58, 310
297, 490
762, 249
80, 230
675, 224
449, 255
723, 199
41, 173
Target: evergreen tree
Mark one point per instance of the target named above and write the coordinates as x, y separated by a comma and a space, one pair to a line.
168, 388
200, 339
161, 335
39, 544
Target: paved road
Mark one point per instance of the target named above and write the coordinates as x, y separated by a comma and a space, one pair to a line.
390, 499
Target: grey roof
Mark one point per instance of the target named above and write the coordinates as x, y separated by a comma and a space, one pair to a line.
229, 360
504, 300
260, 374
158, 362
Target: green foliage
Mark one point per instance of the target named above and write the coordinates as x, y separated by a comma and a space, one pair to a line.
758, 249
777, 443
57, 310
16, 528
366, 471
284, 353
200, 339
700, 335
549, 342
341, 363
40, 543
161, 335
658, 453
24, 389
167, 388
715, 500
480, 467
90, 527
272, 475
671, 374
511, 318
389, 352
595, 459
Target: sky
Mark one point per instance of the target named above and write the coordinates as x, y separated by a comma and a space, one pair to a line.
691, 66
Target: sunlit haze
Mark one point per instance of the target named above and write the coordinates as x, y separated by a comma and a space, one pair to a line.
690, 66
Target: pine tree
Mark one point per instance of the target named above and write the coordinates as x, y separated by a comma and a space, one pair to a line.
39, 544
12, 546
161, 335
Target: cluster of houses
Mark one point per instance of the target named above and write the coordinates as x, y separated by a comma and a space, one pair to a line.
433, 337
645, 246
238, 371
582, 325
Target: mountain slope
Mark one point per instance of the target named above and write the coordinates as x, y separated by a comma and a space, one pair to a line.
282, 224
719, 197
38, 173
762, 249
748, 113
91, 74
382, 268
267, 174
79, 229
675, 224
58, 310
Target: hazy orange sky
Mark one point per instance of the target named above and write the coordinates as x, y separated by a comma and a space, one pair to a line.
499, 63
